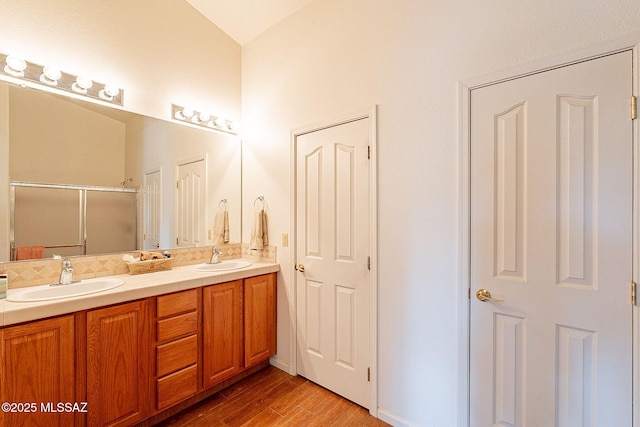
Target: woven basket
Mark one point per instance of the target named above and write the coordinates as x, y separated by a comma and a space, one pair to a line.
149, 266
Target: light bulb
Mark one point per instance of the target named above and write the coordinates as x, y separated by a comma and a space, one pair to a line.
82, 84
205, 117
50, 75
220, 122
15, 66
112, 90
187, 112
109, 92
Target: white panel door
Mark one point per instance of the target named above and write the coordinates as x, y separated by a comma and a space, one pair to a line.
332, 229
191, 202
151, 208
551, 235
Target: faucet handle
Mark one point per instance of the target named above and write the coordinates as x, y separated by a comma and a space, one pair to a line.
66, 264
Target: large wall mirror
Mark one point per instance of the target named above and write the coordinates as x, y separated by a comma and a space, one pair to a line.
119, 180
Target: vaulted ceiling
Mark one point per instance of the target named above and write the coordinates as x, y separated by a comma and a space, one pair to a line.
245, 19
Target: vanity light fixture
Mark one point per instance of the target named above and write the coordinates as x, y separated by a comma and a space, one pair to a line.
20, 71
202, 120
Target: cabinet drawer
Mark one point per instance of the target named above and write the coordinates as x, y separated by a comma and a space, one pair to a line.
177, 386
176, 355
176, 303
177, 326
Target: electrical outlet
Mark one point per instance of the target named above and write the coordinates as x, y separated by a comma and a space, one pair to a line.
285, 239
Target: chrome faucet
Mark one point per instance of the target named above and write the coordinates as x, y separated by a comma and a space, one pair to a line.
214, 256
66, 273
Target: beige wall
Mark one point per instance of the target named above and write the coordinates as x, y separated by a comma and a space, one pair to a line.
159, 51
58, 142
408, 57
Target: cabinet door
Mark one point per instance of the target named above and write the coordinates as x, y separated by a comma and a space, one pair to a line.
259, 318
37, 362
222, 331
117, 364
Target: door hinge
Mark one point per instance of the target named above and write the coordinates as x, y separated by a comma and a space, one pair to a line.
634, 107
634, 294
368, 263
368, 152
177, 184
368, 374
177, 240
469, 293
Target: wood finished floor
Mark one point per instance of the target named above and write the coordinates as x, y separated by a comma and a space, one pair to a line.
272, 397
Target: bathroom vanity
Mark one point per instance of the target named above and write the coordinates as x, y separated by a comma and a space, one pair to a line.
142, 351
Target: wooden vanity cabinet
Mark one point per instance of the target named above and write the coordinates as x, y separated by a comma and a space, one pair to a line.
221, 331
176, 347
259, 318
37, 362
118, 364
136, 359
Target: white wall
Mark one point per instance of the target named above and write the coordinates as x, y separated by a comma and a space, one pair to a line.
406, 56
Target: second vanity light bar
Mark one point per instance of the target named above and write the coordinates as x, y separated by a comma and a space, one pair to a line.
16, 69
204, 120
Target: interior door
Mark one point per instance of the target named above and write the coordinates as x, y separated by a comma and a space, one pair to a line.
332, 249
191, 203
152, 205
551, 243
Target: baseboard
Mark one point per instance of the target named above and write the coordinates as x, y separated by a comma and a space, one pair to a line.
394, 420
284, 366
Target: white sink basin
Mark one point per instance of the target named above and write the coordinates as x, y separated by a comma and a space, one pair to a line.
48, 292
231, 264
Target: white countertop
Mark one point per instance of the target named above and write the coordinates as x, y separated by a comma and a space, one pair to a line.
134, 287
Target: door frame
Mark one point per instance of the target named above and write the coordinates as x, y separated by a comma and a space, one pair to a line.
630, 42
371, 115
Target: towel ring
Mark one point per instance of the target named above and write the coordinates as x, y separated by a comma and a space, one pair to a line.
223, 204
261, 199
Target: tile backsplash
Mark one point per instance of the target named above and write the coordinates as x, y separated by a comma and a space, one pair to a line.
39, 272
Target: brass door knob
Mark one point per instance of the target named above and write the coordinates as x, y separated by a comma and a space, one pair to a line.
484, 296
300, 268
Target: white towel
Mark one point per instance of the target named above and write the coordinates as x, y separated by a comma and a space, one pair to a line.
221, 228
259, 234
